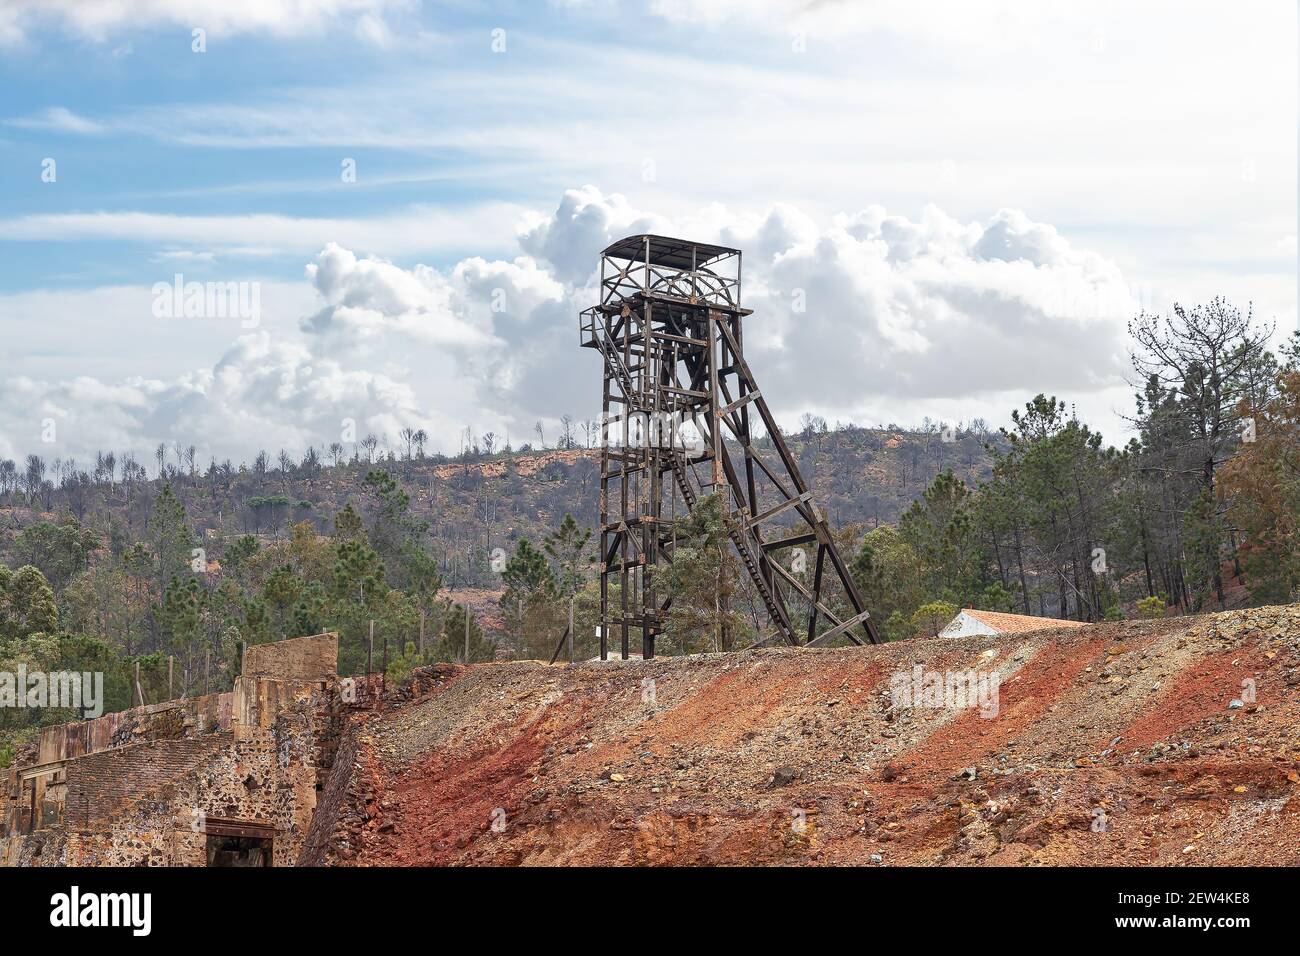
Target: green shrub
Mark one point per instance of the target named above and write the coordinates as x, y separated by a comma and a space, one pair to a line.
929, 619
1150, 607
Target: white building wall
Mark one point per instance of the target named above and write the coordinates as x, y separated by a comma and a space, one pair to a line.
964, 625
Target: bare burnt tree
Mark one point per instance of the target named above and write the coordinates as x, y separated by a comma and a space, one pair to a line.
1198, 364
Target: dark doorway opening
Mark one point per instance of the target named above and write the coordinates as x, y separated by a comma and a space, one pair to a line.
239, 843
239, 851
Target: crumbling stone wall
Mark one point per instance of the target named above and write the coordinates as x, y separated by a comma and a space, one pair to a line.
100, 786
346, 799
41, 848
322, 843
151, 836
298, 659
169, 719
137, 788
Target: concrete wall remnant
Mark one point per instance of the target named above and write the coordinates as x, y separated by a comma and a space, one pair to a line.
297, 659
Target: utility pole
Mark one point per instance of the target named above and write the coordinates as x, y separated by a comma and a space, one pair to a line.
466, 606
570, 628
171, 661
370, 647
718, 643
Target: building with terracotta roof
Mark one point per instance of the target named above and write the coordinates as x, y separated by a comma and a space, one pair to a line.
971, 621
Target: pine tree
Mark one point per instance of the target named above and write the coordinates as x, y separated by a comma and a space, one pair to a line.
888, 573
1261, 485
170, 537
701, 578
530, 604
27, 603
566, 546
451, 647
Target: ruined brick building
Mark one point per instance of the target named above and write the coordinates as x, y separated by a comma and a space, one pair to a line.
228, 779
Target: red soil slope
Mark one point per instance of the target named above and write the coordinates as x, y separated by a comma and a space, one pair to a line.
1114, 743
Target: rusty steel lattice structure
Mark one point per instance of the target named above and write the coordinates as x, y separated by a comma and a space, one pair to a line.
677, 392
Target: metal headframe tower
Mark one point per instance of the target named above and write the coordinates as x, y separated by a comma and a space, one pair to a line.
677, 392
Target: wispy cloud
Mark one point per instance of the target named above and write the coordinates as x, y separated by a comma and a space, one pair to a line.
417, 230
186, 256
101, 19
58, 119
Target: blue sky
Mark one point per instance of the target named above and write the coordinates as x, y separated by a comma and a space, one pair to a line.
866, 155
154, 151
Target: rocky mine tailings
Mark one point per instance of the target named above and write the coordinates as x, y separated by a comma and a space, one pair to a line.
1163, 742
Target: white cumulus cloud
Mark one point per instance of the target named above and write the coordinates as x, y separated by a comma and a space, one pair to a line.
869, 315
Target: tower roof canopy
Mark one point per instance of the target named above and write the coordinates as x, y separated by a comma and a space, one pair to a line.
664, 251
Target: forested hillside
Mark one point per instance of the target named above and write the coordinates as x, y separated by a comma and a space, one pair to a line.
120, 562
